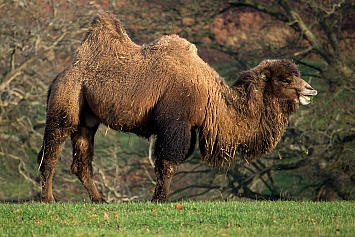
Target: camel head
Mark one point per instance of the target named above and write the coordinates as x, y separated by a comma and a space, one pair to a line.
283, 80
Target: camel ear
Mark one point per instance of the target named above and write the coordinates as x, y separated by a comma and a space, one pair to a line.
266, 75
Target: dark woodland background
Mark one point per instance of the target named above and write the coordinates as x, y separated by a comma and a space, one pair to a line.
315, 159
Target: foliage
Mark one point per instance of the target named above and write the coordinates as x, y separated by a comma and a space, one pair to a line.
187, 219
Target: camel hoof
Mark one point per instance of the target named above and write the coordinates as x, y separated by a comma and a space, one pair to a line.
160, 199
48, 200
100, 200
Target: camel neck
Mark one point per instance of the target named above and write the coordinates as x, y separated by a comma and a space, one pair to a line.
241, 128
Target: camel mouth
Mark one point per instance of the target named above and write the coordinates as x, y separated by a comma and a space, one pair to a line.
305, 98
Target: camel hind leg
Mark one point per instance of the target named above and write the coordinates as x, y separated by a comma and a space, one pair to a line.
62, 119
83, 152
53, 142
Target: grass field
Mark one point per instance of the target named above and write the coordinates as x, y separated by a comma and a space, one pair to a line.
254, 218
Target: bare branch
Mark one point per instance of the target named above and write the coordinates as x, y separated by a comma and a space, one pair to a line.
21, 168
257, 6
305, 51
295, 17
10, 76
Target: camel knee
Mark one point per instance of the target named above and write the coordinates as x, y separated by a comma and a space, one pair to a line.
165, 168
74, 168
83, 148
83, 142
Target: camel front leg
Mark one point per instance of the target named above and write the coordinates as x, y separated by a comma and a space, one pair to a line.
175, 142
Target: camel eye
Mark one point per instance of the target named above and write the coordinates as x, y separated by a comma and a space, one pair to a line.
285, 82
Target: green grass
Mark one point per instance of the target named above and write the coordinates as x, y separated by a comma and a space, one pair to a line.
257, 218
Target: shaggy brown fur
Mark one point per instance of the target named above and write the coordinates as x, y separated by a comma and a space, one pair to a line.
163, 88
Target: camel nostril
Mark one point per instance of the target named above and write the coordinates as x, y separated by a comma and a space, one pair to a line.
309, 87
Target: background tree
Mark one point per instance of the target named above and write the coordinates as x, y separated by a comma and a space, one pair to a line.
36, 43
322, 42
314, 160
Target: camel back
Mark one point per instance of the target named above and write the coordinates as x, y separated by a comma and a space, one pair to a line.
106, 37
